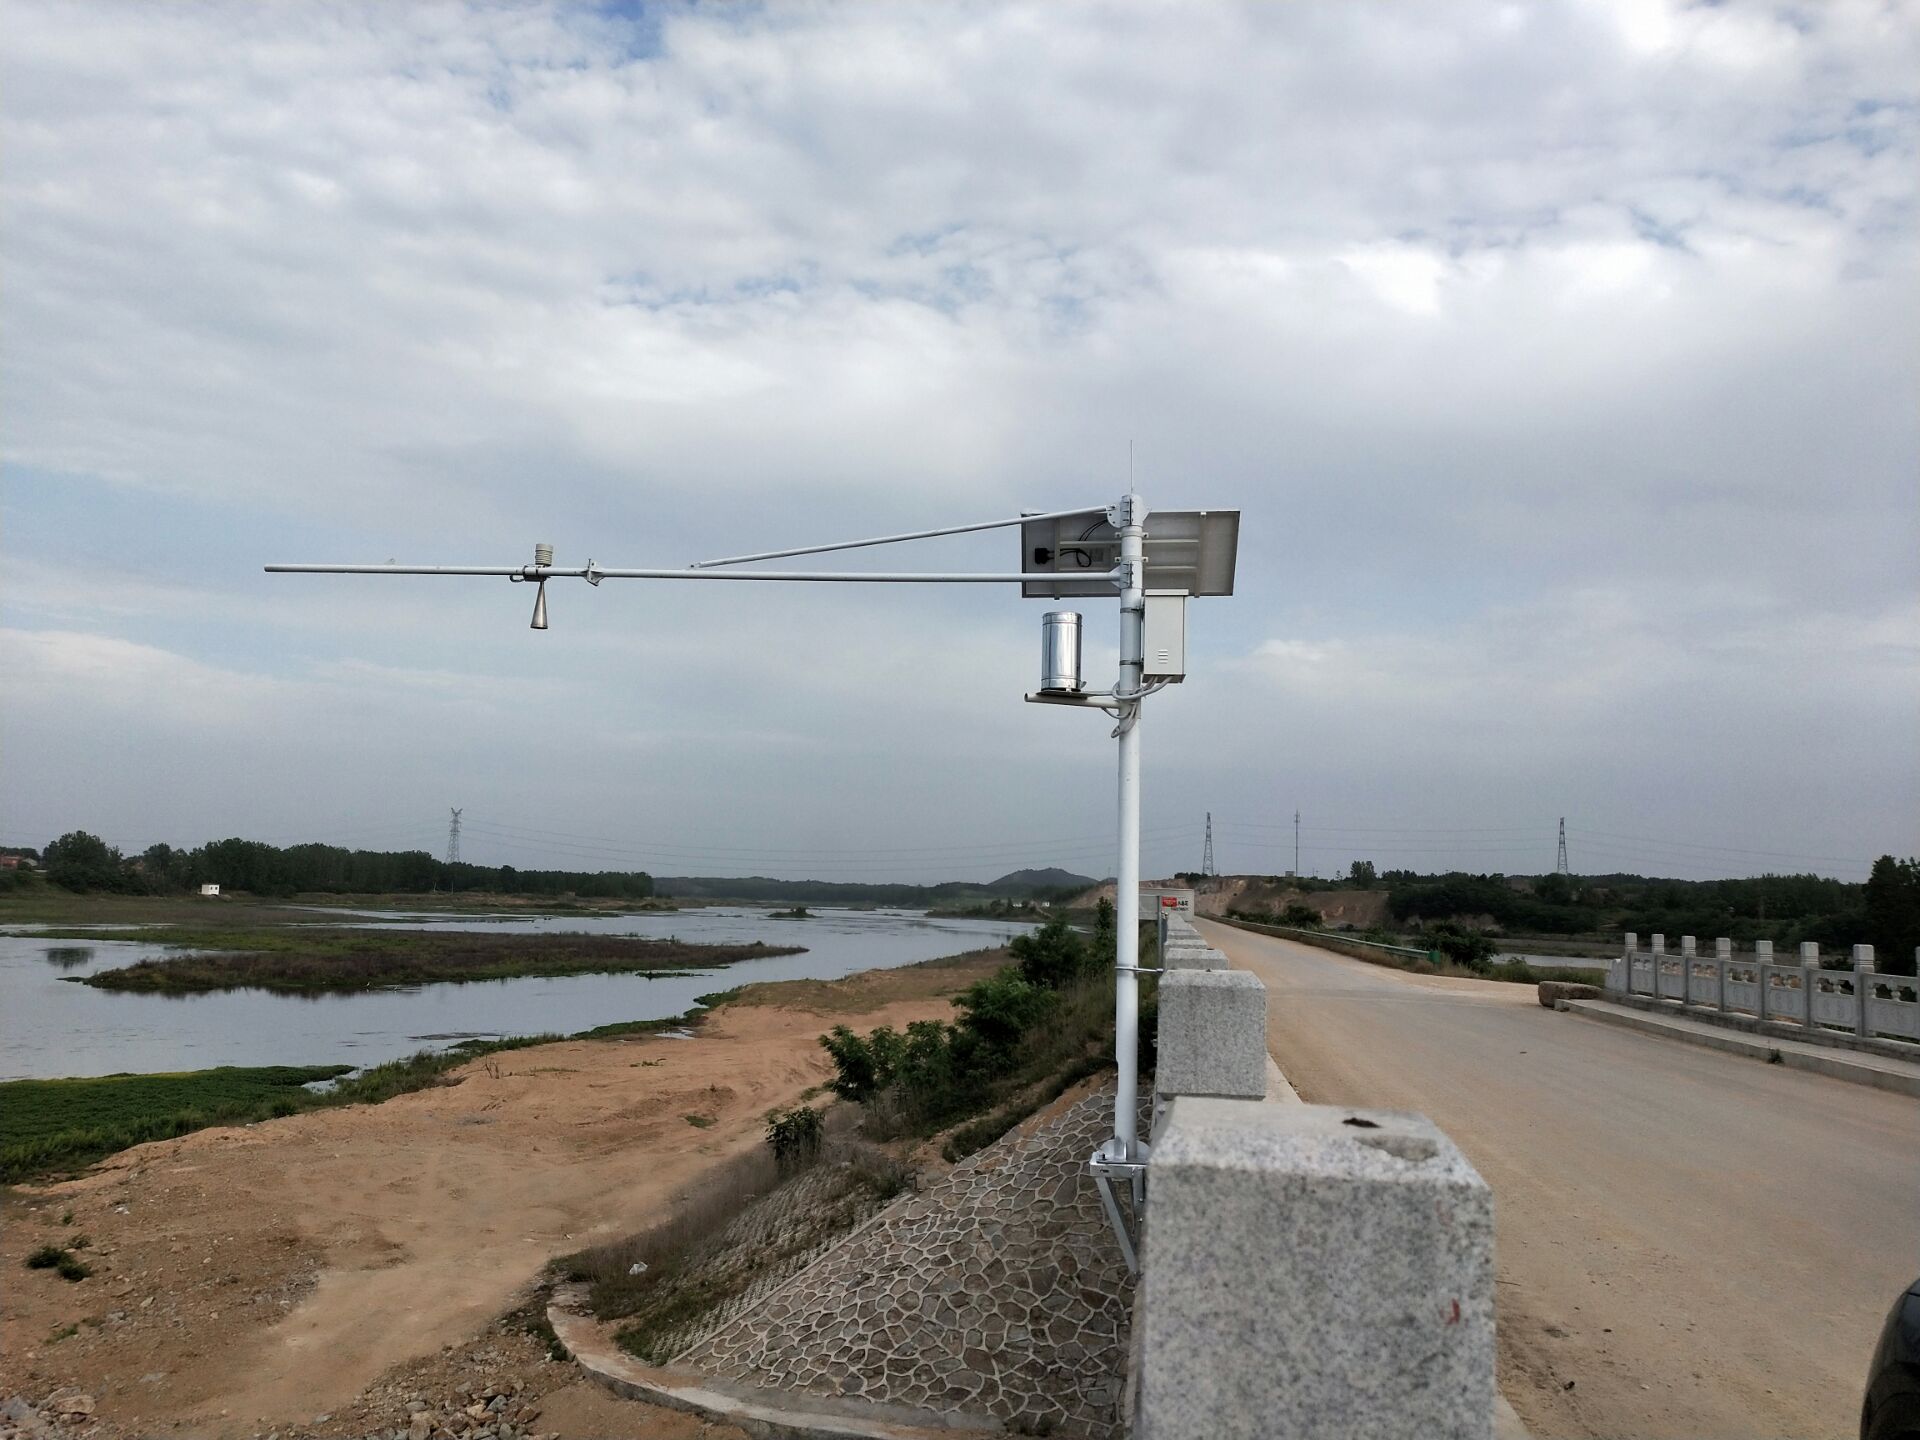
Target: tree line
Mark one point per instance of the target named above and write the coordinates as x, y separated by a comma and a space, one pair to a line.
85, 863
1884, 912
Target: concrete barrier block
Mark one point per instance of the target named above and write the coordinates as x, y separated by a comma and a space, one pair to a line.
1313, 1271
1193, 955
1213, 1034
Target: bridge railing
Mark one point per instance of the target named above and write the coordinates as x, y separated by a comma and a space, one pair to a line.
1858, 1000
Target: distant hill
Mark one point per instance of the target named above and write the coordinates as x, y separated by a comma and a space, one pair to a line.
1029, 882
1020, 885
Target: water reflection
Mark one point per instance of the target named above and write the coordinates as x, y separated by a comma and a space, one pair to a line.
68, 957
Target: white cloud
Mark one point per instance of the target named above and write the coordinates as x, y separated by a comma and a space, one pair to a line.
1478, 311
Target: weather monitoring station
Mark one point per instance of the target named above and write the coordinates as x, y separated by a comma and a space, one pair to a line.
1086, 553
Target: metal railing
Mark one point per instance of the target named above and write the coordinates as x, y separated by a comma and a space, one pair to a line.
1322, 937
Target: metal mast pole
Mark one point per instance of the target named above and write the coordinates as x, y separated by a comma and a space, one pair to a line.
1131, 523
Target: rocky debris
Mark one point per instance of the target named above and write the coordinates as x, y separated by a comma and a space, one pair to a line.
488, 1389
22, 1420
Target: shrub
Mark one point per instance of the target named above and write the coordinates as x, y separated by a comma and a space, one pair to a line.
862, 1067
795, 1136
1461, 945
1053, 954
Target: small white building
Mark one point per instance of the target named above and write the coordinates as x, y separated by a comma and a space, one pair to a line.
209, 889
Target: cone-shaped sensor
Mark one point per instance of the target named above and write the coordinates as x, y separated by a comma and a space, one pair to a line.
540, 607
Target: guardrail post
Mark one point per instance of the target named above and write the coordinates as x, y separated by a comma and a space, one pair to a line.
1809, 976
1862, 989
1722, 957
1688, 952
1762, 958
1657, 951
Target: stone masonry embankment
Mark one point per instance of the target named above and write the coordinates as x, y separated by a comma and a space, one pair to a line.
998, 1291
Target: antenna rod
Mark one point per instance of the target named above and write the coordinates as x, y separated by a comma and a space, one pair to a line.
597, 574
895, 539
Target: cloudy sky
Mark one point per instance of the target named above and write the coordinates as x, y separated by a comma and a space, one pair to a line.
1562, 359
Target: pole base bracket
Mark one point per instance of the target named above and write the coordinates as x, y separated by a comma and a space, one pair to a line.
1129, 1225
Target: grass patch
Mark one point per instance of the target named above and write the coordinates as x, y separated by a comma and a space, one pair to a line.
48, 1126
60, 1260
49, 1123
303, 960
699, 1122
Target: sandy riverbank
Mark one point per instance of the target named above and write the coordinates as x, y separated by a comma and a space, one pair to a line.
251, 1279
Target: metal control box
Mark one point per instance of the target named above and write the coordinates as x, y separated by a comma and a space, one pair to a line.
1166, 635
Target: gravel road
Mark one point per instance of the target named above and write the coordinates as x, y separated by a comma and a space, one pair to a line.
1690, 1243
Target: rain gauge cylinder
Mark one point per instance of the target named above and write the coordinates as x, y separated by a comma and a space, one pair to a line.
1060, 652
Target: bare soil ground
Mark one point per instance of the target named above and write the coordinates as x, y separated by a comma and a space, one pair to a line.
249, 1280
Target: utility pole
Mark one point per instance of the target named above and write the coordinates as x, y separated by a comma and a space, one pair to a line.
1296, 845
1206, 858
1560, 864
453, 838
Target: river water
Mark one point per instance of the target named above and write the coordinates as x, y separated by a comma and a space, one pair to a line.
50, 1027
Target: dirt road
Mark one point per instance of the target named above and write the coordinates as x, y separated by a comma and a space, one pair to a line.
250, 1278
1690, 1244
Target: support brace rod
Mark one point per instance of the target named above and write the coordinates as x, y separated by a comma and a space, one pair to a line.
895, 539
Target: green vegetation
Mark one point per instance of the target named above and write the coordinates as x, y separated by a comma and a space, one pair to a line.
795, 1136
1460, 945
59, 1258
1557, 912
1002, 908
1042, 885
53, 1125
85, 863
798, 912
299, 958
1023, 1035
47, 1123
1891, 905
1366, 945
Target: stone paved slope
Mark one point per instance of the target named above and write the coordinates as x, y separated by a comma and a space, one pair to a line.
999, 1291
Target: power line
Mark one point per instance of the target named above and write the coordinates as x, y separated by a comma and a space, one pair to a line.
1725, 849
810, 851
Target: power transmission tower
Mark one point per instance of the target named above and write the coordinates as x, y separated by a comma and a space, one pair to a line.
1560, 864
453, 839
1296, 844
1206, 859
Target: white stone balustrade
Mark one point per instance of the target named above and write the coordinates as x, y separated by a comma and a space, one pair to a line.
1858, 1000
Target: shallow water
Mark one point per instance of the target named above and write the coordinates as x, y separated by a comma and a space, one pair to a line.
51, 1027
